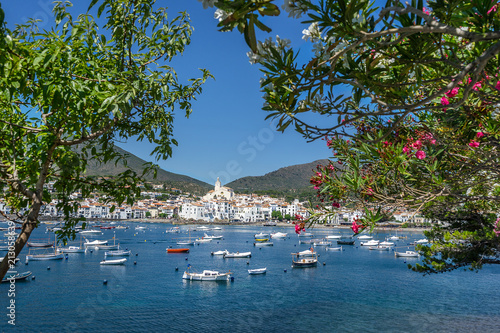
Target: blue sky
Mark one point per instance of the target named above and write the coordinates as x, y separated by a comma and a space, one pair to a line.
226, 136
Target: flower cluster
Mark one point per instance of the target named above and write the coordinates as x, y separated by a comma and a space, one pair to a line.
300, 225
357, 227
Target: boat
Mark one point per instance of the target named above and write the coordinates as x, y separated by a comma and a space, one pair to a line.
212, 237
422, 241
257, 271
379, 248
203, 240
393, 238
339, 248
261, 244
216, 228
16, 277
71, 249
38, 244
238, 255
261, 235
386, 243
45, 256
90, 232
108, 247
108, 227
306, 253
370, 243
345, 242
185, 242
114, 261
169, 250
298, 262
278, 235
365, 237
206, 275
305, 234
220, 253
410, 254
174, 230
118, 253
140, 228
261, 239
307, 241
322, 243
95, 243
334, 237
203, 228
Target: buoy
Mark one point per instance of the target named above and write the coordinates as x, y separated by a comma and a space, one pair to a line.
176, 269
48, 268
26, 263
186, 258
324, 263
105, 282
232, 278
248, 262
33, 277
135, 262
90, 251
136, 254
284, 270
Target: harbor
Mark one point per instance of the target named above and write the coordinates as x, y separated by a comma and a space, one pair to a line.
352, 289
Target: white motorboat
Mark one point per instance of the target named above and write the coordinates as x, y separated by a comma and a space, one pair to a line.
108, 247
279, 235
118, 253
261, 235
257, 271
212, 236
174, 230
365, 237
95, 243
370, 243
379, 248
410, 254
262, 244
305, 234
422, 241
386, 243
202, 228
393, 238
206, 275
216, 228
322, 243
114, 261
140, 228
90, 232
71, 249
220, 253
203, 240
338, 248
310, 261
238, 255
186, 242
334, 237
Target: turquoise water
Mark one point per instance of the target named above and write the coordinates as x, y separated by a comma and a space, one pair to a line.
356, 290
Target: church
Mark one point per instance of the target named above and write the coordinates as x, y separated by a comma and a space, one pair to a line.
219, 192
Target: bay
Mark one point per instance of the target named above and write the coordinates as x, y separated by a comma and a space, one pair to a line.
349, 291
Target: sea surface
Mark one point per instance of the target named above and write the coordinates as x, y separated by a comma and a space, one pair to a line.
354, 290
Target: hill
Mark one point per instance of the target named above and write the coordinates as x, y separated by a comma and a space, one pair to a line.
185, 183
291, 178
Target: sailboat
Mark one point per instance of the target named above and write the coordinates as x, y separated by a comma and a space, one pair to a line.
186, 242
73, 249
109, 247
46, 255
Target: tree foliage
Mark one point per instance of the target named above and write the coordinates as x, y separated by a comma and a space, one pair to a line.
78, 86
407, 98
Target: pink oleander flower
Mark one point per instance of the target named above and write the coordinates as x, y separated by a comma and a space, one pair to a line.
369, 191
331, 167
445, 101
496, 228
479, 135
297, 229
355, 227
335, 204
420, 154
417, 144
452, 93
492, 9
476, 86
433, 142
426, 11
497, 87
474, 144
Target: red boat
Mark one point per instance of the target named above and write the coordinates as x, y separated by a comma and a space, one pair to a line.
108, 227
177, 250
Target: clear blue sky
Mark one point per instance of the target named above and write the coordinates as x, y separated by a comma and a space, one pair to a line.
226, 136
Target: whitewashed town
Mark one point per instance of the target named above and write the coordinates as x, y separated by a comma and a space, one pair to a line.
219, 205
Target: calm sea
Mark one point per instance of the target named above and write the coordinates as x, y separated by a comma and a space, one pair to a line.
355, 290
